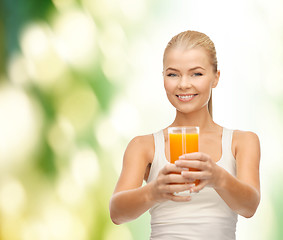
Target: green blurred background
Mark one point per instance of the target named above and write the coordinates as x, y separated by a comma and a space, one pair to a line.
80, 78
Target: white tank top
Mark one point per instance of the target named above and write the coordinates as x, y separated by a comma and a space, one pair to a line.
206, 216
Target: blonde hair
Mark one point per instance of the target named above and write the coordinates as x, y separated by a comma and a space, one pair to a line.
194, 39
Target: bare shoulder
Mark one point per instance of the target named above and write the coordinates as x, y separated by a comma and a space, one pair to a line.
245, 142
143, 146
135, 163
247, 155
144, 139
245, 137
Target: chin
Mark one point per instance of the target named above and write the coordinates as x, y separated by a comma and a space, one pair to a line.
185, 110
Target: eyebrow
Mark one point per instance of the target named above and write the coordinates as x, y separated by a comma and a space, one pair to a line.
172, 69
191, 69
194, 68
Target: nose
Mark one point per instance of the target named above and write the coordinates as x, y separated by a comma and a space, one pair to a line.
184, 82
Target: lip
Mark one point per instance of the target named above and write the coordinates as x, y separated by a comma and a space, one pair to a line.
186, 97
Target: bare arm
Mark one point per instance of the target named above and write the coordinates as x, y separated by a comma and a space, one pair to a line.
241, 193
130, 199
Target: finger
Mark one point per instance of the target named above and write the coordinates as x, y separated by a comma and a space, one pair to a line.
193, 156
195, 174
175, 198
196, 164
199, 187
174, 178
172, 188
171, 168
190, 181
192, 175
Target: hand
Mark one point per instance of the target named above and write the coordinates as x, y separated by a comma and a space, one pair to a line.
208, 172
168, 182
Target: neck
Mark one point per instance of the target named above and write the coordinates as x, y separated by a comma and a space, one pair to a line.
201, 118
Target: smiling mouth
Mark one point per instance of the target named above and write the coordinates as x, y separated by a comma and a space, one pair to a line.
186, 97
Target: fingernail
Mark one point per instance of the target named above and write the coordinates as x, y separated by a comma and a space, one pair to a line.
194, 191
182, 157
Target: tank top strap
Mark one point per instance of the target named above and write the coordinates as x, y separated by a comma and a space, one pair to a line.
227, 141
159, 142
159, 159
228, 161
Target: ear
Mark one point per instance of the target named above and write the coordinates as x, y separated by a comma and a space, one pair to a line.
216, 80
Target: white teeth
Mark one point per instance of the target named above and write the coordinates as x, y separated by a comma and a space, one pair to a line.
186, 96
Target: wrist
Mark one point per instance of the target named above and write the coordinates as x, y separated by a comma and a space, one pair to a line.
149, 194
220, 179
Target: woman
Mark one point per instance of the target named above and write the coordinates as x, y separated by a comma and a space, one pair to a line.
228, 161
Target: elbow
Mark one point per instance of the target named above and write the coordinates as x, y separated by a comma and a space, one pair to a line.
115, 220
248, 215
114, 216
252, 210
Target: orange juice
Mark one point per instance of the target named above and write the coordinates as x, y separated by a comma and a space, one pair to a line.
182, 141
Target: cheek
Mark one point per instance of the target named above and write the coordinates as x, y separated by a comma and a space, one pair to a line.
169, 85
204, 86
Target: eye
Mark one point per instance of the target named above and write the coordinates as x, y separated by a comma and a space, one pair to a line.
172, 75
197, 74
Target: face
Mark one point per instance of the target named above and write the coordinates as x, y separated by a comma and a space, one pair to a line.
188, 78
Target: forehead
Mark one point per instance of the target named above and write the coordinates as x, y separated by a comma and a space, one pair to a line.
186, 57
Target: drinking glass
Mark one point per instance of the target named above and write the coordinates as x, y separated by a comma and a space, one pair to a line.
183, 140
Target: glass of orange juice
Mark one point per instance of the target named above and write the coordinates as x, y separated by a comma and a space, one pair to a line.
183, 140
